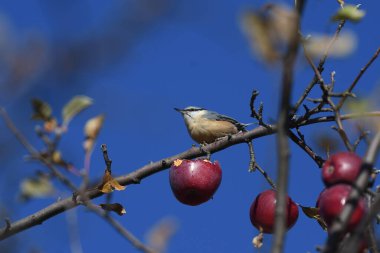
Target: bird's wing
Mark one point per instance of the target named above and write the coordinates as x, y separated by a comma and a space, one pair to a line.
217, 116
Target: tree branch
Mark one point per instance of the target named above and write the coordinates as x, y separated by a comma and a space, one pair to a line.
283, 151
136, 176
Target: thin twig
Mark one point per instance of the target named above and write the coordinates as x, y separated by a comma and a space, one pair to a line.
342, 117
340, 129
327, 98
257, 114
20, 137
55, 171
107, 161
356, 80
254, 165
252, 159
329, 46
362, 136
302, 144
266, 176
120, 229
33, 151
320, 67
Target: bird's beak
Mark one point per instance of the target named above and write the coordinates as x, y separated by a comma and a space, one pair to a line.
179, 110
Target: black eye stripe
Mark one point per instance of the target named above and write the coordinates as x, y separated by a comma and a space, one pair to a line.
194, 109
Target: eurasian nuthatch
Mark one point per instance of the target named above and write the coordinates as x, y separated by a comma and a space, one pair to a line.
206, 126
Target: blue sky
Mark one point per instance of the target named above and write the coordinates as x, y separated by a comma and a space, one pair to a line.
187, 53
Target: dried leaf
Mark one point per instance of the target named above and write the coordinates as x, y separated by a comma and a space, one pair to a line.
109, 184
75, 106
93, 126
50, 125
91, 131
344, 45
39, 187
114, 207
255, 29
177, 162
269, 30
258, 241
312, 212
41, 110
349, 12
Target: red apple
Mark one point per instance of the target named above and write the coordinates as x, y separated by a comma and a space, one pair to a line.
331, 202
343, 167
194, 182
262, 212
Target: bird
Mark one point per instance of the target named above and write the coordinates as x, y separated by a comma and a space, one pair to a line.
206, 126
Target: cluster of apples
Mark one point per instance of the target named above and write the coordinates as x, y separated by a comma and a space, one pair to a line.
339, 173
194, 182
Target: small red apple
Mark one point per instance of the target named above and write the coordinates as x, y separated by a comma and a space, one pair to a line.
262, 212
331, 202
343, 167
194, 182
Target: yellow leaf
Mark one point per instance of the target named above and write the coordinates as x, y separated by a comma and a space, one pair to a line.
177, 162
109, 184
114, 207
91, 131
349, 12
39, 187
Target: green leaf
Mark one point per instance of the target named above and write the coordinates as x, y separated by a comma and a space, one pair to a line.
349, 12
41, 110
312, 212
75, 106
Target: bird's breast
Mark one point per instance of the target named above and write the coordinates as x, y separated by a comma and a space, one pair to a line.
207, 131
